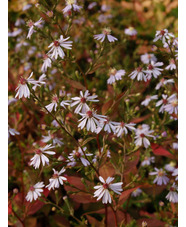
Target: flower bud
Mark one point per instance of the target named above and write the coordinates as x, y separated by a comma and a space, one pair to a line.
53, 209
50, 13
15, 190
144, 224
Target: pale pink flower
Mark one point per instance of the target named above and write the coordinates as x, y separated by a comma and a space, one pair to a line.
15, 32
122, 128
142, 132
115, 75
65, 103
12, 132
175, 146
153, 70
77, 155
41, 81
148, 99
31, 26
136, 192
92, 5
81, 101
105, 33
19, 22
53, 104
22, 89
171, 65
56, 179
40, 157
26, 7
147, 161
55, 140
139, 73
170, 167
107, 125
175, 173
131, 31
147, 58
102, 191
102, 18
161, 177
35, 191
172, 105
91, 120
71, 4
162, 103
172, 196
163, 82
56, 47
47, 63
162, 35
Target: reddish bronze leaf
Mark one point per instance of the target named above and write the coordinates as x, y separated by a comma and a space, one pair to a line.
159, 150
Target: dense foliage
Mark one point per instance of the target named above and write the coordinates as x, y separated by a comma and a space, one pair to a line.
93, 111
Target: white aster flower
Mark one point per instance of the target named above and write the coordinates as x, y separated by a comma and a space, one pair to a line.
142, 132
172, 196
55, 140
147, 161
161, 177
131, 31
40, 157
175, 146
153, 70
122, 128
105, 8
47, 63
105, 33
56, 47
148, 99
92, 5
65, 103
103, 190
71, 4
162, 35
136, 192
170, 167
139, 73
107, 125
90, 120
102, 18
81, 101
26, 7
19, 22
35, 191
12, 132
175, 173
20, 42
77, 155
31, 26
162, 103
53, 104
172, 105
147, 58
163, 82
22, 89
171, 65
40, 81
15, 33
11, 100
115, 75
56, 179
